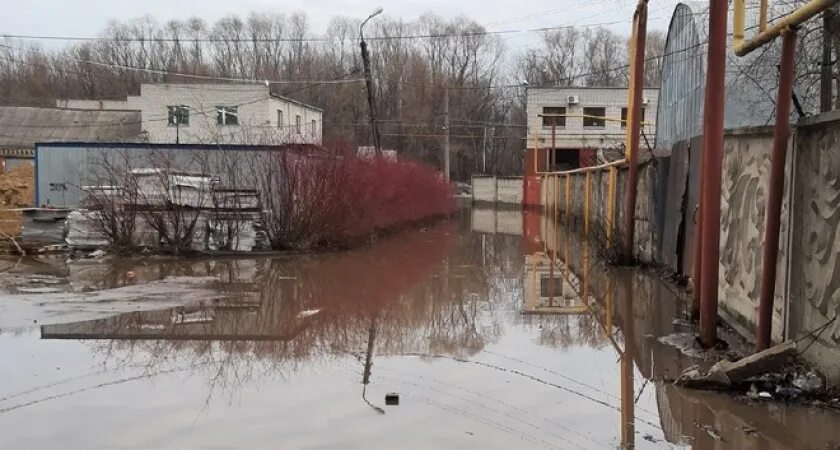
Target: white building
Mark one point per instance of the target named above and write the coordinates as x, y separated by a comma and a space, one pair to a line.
216, 113
585, 120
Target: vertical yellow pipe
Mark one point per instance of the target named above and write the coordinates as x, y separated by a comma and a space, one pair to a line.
611, 181
739, 7
762, 16
554, 222
608, 306
568, 196
586, 200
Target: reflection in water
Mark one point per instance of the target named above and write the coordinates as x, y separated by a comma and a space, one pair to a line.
512, 324
644, 310
301, 310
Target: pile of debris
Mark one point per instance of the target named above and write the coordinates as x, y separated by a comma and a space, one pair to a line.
220, 218
772, 374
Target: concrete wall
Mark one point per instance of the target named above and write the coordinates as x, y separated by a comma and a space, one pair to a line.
574, 135
746, 166
493, 189
256, 108
807, 294
814, 294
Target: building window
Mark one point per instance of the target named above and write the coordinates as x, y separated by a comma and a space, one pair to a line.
227, 115
594, 117
550, 119
624, 117
314, 128
551, 287
178, 115
298, 121
279, 118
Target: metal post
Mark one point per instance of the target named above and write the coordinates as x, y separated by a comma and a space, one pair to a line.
484, 151
775, 190
713, 152
446, 133
628, 405
553, 146
635, 113
826, 79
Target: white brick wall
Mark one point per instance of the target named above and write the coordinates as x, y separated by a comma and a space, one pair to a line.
257, 111
574, 135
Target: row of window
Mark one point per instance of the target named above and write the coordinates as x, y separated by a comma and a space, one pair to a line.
593, 116
298, 123
229, 115
180, 115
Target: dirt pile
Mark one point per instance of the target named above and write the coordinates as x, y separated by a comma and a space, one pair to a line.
17, 187
17, 190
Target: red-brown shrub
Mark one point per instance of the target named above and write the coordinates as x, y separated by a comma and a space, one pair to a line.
318, 200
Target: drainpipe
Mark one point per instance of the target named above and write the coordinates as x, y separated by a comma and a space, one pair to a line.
775, 190
712, 167
637, 84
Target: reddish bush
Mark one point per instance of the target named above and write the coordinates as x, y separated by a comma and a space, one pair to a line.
317, 200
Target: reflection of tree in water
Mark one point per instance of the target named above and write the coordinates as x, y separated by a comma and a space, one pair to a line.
421, 298
580, 330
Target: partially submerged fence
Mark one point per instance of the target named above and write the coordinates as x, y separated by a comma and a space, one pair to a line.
592, 197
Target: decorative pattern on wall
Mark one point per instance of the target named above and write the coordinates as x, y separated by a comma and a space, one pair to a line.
743, 200
816, 249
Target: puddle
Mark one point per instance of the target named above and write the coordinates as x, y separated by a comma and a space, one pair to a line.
491, 340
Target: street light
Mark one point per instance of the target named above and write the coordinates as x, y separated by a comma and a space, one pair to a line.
374, 123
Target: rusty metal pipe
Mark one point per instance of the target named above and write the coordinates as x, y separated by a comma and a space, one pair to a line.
635, 113
553, 147
713, 150
775, 191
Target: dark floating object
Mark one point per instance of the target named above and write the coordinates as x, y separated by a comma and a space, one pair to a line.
392, 399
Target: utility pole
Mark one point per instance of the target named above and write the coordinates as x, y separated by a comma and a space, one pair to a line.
484, 151
374, 122
446, 133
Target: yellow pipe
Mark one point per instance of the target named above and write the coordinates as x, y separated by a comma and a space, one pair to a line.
568, 195
611, 182
587, 190
738, 23
762, 16
798, 16
556, 187
608, 306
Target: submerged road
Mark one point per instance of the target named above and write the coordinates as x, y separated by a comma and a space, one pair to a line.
496, 330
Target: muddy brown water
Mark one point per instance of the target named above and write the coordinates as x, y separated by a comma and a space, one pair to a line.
495, 330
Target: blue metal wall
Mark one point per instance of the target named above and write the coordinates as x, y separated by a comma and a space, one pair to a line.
61, 169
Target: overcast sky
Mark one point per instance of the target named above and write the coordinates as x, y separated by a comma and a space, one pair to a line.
89, 17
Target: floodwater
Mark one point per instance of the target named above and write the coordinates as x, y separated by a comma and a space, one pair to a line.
495, 330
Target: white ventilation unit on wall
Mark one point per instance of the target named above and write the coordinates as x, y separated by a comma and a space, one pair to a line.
573, 100
645, 101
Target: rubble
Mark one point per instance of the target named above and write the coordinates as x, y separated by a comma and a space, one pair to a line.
726, 374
